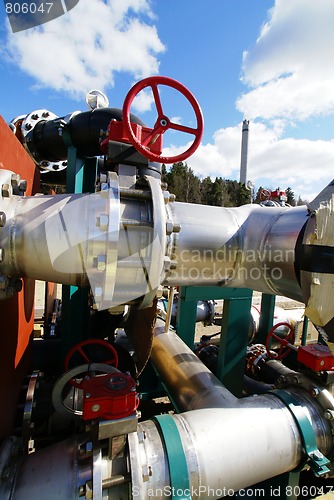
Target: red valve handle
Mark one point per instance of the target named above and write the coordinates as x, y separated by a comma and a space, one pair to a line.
285, 343
162, 123
265, 194
78, 348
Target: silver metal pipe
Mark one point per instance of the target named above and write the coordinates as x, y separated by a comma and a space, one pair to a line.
190, 383
192, 386
79, 239
248, 246
259, 433
225, 449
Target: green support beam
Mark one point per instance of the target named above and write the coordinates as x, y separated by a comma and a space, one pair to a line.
235, 328
75, 325
266, 317
233, 342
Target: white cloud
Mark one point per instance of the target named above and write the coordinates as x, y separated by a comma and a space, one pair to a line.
290, 66
305, 165
143, 101
85, 47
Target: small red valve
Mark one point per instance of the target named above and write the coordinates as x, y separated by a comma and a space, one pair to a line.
286, 343
110, 396
317, 357
87, 354
265, 194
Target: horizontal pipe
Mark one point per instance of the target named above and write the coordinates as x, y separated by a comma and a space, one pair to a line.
248, 246
80, 239
54, 238
225, 449
85, 132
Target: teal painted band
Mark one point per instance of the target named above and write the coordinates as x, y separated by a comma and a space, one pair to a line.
177, 464
316, 460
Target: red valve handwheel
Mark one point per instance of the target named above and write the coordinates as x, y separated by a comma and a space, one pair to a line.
162, 123
265, 194
79, 348
288, 339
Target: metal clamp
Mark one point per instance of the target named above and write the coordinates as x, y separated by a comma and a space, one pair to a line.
316, 460
177, 464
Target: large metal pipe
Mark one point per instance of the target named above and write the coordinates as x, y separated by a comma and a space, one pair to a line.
225, 449
248, 246
126, 246
59, 238
217, 431
41, 133
104, 240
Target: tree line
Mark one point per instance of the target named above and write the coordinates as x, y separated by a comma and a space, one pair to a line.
221, 192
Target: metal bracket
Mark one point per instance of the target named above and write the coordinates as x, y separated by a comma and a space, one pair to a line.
316, 460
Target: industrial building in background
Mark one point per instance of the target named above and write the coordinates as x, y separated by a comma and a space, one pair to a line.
82, 411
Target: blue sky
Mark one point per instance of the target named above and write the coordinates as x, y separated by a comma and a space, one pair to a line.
265, 60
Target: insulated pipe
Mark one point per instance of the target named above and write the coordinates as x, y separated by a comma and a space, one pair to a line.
221, 434
104, 240
191, 385
248, 246
108, 239
226, 449
75, 239
43, 137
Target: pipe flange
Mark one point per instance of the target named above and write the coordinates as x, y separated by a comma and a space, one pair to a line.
157, 264
27, 421
28, 125
316, 390
104, 236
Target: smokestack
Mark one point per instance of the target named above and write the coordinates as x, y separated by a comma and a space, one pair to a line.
244, 152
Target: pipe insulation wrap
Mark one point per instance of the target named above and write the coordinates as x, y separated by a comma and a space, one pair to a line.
218, 431
102, 237
191, 385
226, 448
126, 247
248, 246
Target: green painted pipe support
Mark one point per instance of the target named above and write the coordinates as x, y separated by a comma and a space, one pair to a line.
177, 464
316, 460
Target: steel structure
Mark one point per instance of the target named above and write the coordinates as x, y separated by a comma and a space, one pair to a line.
114, 240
